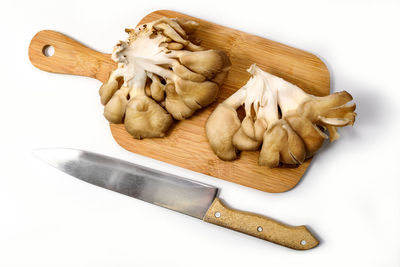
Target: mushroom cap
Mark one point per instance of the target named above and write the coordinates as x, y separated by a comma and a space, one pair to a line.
316, 113
254, 129
114, 110
311, 135
250, 134
174, 104
207, 63
157, 89
187, 74
145, 118
281, 144
222, 124
196, 94
220, 77
189, 26
333, 134
174, 46
171, 33
243, 142
330, 106
107, 90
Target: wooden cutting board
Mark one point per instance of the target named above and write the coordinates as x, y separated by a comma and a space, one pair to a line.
186, 145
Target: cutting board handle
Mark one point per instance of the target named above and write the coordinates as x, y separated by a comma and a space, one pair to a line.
69, 57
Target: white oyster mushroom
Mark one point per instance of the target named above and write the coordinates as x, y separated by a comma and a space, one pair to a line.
158, 64
288, 122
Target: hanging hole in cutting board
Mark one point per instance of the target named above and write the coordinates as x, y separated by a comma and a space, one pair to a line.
48, 50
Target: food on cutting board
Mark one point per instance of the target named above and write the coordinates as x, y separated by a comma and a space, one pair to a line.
286, 122
161, 75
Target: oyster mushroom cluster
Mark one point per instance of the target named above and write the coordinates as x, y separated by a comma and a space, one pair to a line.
287, 123
161, 76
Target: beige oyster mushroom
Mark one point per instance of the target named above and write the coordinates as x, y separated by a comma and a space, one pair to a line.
159, 67
285, 121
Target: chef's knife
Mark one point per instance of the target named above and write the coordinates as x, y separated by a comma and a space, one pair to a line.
169, 191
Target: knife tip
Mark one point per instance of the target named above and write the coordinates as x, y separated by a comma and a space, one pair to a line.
41, 153
54, 155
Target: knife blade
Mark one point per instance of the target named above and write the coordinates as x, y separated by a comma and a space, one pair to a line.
186, 196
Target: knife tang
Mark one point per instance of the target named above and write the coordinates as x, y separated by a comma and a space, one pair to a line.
295, 237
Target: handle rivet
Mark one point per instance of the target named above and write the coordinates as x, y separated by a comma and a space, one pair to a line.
217, 214
48, 50
303, 242
259, 229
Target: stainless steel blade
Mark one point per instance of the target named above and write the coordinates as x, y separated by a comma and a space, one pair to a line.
156, 187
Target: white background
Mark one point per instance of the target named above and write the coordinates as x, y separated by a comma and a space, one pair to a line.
349, 196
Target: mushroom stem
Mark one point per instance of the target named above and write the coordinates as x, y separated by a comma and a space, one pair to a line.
236, 100
138, 84
162, 72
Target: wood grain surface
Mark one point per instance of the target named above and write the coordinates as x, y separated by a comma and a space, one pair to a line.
295, 237
186, 145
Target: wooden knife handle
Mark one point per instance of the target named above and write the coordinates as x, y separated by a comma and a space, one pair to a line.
298, 237
70, 57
